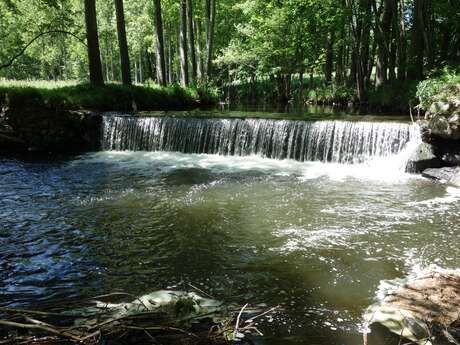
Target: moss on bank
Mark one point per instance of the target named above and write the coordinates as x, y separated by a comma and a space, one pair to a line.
109, 97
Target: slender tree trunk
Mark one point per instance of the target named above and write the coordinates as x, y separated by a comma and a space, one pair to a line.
393, 44
161, 68
94, 54
191, 39
141, 78
402, 44
199, 48
210, 20
150, 66
183, 43
329, 58
123, 43
383, 35
339, 65
415, 70
170, 59
428, 34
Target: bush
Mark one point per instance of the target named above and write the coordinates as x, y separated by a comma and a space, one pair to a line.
442, 86
329, 94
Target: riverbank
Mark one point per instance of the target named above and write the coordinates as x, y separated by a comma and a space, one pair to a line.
64, 119
440, 102
110, 97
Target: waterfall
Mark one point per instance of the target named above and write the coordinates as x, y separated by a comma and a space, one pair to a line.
327, 141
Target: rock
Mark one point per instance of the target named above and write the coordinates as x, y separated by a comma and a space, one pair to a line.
444, 120
423, 158
455, 179
451, 158
422, 308
442, 174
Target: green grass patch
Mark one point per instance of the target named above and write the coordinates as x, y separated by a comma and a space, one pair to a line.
105, 98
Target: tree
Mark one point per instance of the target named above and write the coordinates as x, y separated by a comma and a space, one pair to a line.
183, 43
94, 55
160, 48
122, 43
210, 21
191, 38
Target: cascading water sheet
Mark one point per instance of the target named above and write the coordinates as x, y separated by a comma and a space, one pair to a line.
326, 141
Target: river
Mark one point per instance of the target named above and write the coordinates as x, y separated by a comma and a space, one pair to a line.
313, 234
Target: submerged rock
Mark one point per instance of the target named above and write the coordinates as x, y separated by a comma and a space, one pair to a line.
423, 308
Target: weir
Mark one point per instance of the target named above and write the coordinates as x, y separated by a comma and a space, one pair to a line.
326, 141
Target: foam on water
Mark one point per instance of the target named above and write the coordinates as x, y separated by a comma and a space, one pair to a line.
383, 169
452, 196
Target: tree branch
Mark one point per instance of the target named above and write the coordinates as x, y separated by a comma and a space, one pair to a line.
21, 52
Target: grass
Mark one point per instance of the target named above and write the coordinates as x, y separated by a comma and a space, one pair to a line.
72, 96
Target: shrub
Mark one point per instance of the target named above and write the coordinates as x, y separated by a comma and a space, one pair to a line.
442, 86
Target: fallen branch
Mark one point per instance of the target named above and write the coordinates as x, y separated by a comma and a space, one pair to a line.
41, 327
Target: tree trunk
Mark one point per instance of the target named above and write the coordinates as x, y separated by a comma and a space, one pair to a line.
402, 44
329, 58
122, 43
191, 39
141, 77
199, 48
183, 43
94, 54
339, 65
383, 36
170, 59
210, 20
428, 34
415, 71
161, 68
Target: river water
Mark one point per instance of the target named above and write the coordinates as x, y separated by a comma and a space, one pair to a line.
314, 237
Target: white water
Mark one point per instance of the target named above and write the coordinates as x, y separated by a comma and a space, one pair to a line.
385, 169
325, 141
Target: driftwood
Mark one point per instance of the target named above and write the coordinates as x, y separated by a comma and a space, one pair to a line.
152, 324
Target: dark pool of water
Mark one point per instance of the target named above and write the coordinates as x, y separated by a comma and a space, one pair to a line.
314, 238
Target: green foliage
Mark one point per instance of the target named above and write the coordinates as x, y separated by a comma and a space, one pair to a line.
442, 86
108, 97
329, 94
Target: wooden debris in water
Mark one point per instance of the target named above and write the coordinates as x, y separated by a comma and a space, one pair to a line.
166, 317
